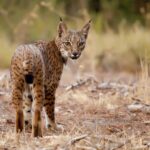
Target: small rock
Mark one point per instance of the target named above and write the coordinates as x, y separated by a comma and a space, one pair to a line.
135, 107
104, 85
147, 122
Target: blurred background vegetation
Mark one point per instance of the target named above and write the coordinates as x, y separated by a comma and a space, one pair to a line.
119, 38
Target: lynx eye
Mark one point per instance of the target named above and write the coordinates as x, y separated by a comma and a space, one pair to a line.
81, 43
67, 43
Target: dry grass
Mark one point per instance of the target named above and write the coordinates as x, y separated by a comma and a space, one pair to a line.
122, 50
94, 116
6, 51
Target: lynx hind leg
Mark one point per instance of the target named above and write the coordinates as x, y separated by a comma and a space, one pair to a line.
18, 104
27, 109
37, 108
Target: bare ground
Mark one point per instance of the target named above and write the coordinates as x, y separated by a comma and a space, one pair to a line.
98, 112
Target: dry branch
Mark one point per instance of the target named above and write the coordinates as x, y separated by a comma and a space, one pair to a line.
76, 139
80, 82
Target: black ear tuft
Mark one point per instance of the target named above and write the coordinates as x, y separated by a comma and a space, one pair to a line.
60, 19
90, 20
62, 28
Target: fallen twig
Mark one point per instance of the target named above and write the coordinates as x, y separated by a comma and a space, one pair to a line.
79, 83
76, 139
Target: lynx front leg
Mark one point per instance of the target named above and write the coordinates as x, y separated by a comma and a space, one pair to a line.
17, 102
49, 107
38, 94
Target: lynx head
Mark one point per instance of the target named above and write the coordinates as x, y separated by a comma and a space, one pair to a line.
70, 42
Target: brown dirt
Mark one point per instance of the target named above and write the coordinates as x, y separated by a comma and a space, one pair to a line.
93, 112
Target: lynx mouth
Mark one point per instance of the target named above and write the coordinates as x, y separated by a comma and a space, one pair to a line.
74, 57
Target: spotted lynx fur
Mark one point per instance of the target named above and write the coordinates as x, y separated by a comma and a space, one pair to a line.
35, 74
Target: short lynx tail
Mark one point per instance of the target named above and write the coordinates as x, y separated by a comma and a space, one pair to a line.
28, 70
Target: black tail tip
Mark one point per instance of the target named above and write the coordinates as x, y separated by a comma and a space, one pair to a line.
29, 78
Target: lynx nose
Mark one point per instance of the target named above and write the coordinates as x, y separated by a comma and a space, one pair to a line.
75, 53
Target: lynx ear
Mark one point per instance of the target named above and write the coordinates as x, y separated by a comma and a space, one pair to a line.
62, 28
86, 28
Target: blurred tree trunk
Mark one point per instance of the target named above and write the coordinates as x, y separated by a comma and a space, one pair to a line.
95, 5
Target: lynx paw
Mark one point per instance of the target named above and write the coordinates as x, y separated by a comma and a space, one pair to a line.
55, 127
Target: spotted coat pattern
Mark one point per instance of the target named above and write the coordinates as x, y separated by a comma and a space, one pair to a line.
35, 74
